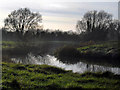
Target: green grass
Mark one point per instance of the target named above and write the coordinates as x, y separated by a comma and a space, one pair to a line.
13, 44
8, 44
103, 48
107, 53
36, 42
50, 77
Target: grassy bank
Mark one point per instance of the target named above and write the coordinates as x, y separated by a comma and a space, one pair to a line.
100, 51
49, 77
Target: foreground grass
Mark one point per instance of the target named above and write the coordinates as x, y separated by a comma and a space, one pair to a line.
49, 77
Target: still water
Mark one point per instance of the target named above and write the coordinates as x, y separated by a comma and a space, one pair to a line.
78, 67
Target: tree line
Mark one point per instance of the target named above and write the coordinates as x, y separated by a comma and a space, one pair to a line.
24, 25
99, 26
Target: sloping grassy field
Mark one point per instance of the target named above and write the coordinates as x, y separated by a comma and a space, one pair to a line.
105, 48
47, 77
104, 52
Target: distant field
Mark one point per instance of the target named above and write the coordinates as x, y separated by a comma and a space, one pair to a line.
8, 44
12, 44
89, 44
49, 77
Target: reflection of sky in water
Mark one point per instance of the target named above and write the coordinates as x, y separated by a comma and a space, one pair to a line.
79, 67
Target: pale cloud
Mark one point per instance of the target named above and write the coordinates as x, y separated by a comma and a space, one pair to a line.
59, 19
60, 26
62, 23
3, 15
45, 1
58, 14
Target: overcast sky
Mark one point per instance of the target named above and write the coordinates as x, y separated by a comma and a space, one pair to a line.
61, 15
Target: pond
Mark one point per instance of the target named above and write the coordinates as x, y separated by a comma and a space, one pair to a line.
43, 53
78, 67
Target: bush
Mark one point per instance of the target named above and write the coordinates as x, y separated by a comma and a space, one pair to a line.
67, 53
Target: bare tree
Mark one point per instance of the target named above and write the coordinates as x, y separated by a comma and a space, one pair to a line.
92, 20
22, 20
81, 26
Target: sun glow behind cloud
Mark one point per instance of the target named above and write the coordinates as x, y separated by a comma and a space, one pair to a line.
61, 15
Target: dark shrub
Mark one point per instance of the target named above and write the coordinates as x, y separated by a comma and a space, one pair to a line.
67, 52
107, 74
